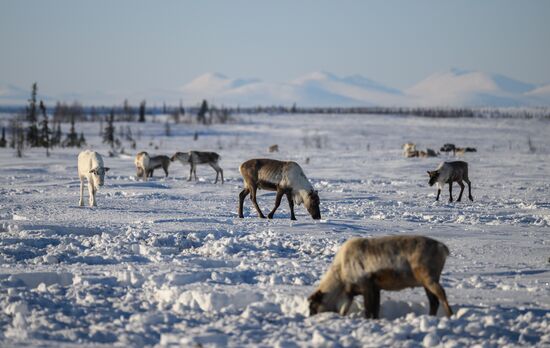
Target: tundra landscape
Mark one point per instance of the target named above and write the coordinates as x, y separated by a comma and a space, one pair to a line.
168, 262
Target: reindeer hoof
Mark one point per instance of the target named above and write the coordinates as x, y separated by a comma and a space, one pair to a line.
471, 198
293, 218
270, 216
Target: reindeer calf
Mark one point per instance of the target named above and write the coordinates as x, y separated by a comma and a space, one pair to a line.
364, 266
449, 172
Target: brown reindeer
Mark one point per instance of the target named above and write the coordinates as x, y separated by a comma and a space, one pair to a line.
284, 177
364, 266
449, 172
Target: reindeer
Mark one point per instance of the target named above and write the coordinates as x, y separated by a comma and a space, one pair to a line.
156, 162
449, 172
448, 148
273, 148
91, 168
285, 177
462, 150
198, 157
408, 149
142, 165
364, 266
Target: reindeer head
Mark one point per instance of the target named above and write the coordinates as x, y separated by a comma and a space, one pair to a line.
434, 175
182, 156
338, 302
98, 175
312, 204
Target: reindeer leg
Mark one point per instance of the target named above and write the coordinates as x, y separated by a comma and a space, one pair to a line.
434, 302
371, 296
461, 190
436, 289
190, 173
221, 173
195, 172
242, 196
165, 171
217, 172
81, 201
450, 192
255, 202
438, 193
469, 189
280, 194
91, 199
290, 204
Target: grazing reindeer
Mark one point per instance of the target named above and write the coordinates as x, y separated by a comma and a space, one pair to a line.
430, 153
449, 172
462, 150
197, 157
273, 148
91, 168
364, 266
448, 148
142, 165
409, 148
285, 177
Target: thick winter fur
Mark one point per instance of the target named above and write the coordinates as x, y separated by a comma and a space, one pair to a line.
194, 158
91, 168
364, 266
449, 172
142, 165
284, 177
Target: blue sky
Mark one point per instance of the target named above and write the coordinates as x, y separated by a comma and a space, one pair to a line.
82, 46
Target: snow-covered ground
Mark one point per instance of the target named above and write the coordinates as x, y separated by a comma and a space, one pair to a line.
167, 262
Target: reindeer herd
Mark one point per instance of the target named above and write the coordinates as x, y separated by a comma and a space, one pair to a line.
362, 266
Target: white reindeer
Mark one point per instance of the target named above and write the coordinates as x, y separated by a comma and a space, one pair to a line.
195, 158
449, 172
90, 167
285, 177
409, 149
364, 266
142, 165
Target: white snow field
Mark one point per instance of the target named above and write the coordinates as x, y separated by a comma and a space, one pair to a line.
168, 263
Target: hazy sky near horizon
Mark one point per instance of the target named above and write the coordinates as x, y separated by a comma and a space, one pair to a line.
83, 46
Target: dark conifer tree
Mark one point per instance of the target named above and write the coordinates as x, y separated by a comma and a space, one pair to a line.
109, 133
201, 116
33, 138
142, 111
45, 131
72, 137
56, 137
3, 141
81, 140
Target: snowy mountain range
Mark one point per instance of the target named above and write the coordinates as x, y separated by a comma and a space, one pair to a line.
453, 88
